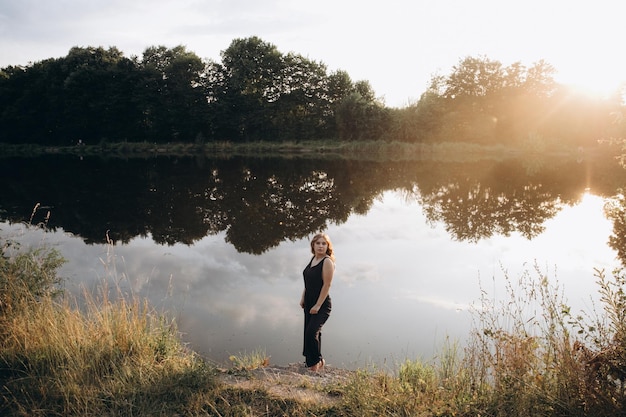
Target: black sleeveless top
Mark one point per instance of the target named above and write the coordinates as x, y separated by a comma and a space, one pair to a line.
313, 283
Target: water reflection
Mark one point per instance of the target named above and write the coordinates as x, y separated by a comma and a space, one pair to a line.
259, 203
616, 211
401, 285
220, 245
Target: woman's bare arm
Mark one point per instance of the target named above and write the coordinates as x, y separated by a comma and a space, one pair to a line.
328, 269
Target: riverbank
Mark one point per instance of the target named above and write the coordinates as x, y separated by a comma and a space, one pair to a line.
363, 150
293, 382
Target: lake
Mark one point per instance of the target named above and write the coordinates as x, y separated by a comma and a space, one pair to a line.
220, 244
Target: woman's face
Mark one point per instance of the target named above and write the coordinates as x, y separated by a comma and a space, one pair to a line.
320, 246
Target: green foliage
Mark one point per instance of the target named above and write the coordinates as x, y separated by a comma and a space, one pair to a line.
483, 101
27, 276
359, 116
416, 376
173, 101
256, 92
264, 94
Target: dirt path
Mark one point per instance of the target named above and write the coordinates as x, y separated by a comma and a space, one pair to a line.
293, 381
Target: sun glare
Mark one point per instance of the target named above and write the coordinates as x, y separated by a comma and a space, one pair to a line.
594, 84
591, 210
596, 90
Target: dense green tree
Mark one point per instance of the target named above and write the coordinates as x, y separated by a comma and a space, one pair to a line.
87, 95
98, 96
524, 101
472, 92
250, 73
339, 86
484, 101
419, 121
302, 110
360, 116
174, 101
487, 102
260, 93
30, 103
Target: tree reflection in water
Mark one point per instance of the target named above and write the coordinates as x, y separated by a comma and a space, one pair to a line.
230, 239
261, 202
615, 210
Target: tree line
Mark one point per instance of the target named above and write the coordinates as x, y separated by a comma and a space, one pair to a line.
257, 93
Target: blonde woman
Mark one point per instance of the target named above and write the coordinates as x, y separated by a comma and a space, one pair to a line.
315, 300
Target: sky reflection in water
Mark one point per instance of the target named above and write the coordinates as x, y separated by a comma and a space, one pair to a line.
401, 285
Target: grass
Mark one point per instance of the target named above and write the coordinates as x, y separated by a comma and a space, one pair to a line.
527, 355
246, 361
111, 358
378, 150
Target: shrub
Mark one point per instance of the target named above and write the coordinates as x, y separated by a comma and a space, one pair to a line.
27, 276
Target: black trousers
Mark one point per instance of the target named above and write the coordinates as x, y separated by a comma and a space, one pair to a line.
313, 323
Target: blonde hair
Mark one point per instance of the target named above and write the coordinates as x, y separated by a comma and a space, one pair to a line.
329, 248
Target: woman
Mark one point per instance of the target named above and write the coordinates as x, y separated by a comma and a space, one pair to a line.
315, 300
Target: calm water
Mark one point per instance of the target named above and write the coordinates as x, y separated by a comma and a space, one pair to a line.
220, 245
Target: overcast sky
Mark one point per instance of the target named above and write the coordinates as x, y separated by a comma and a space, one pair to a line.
397, 45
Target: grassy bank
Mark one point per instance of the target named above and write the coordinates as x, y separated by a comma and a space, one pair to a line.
364, 150
527, 355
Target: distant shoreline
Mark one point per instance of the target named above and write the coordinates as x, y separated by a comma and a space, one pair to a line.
376, 150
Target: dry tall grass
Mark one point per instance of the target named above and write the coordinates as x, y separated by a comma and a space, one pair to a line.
526, 356
110, 358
